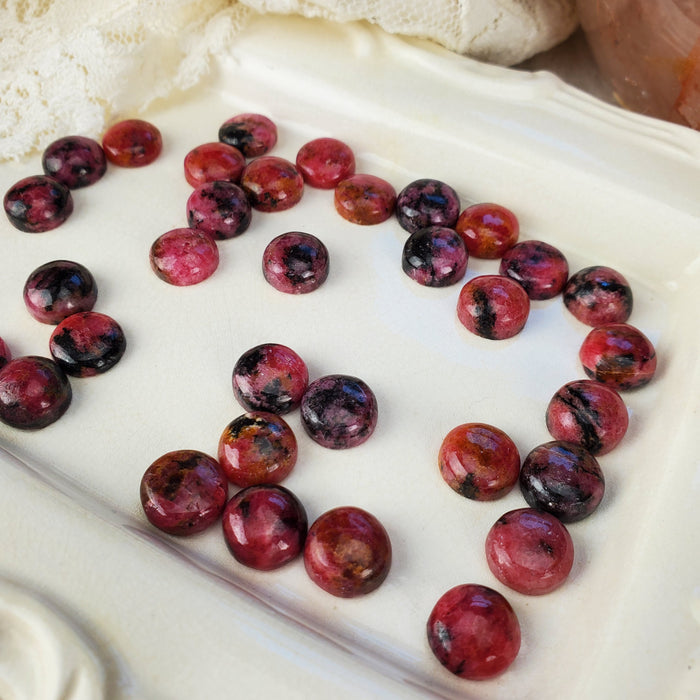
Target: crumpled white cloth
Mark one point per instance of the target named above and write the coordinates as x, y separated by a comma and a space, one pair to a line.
70, 66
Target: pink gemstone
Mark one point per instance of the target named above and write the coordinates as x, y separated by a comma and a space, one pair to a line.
365, 199
618, 355
57, 289
347, 552
132, 143
540, 268
183, 492
265, 526
529, 551
339, 411
37, 204
598, 295
488, 230
435, 257
257, 448
272, 184
87, 343
493, 306
220, 209
270, 377
473, 632
479, 461
324, 162
76, 161
34, 392
252, 134
295, 263
589, 414
427, 202
184, 256
213, 161
562, 479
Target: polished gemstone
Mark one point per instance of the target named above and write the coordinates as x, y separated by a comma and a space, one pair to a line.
209, 162
38, 203
347, 552
184, 256
295, 262
598, 295
257, 448
75, 161
252, 134
474, 632
324, 162
58, 289
427, 202
435, 257
220, 209
540, 268
272, 184
183, 492
488, 230
365, 199
132, 143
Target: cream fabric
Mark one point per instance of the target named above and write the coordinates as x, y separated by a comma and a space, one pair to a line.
70, 66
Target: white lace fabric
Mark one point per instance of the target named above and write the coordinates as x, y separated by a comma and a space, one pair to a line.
72, 66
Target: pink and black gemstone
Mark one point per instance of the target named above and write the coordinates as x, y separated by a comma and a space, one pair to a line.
598, 295
183, 492
270, 377
34, 392
540, 268
474, 632
339, 411
618, 355
252, 134
427, 202
220, 208
37, 204
435, 257
562, 479
589, 414
493, 307
295, 263
87, 343
57, 289
265, 526
75, 161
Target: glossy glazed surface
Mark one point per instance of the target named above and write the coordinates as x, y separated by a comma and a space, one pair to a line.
37, 204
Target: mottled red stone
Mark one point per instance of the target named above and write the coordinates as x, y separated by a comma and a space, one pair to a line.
257, 448
270, 377
493, 306
295, 263
530, 551
474, 632
132, 143
598, 295
435, 257
488, 230
75, 161
365, 199
220, 209
37, 204
87, 343
58, 289
589, 414
427, 202
540, 268
324, 162
265, 526
184, 256
562, 479
347, 552
479, 461
34, 392
183, 492
339, 411
272, 184
213, 161
618, 355
252, 134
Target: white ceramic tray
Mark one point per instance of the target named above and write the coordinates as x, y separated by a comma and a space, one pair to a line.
170, 618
